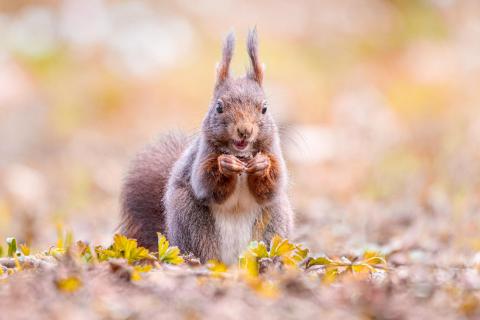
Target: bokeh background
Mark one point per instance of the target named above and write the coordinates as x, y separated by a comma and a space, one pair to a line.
378, 104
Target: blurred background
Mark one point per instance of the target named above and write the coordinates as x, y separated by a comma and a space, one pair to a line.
378, 102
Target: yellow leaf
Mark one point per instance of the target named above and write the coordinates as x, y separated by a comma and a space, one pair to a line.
166, 253
163, 244
259, 249
123, 247
248, 265
470, 304
376, 261
300, 254
266, 289
18, 266
68, 239
289, 253
280, 247
55, 251
173, 256
361, 268
370, 254
217, 268
69, 284
60, 243
135, 275
374, 258
330, 275
25, 249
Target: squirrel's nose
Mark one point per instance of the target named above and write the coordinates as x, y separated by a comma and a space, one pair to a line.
244, 131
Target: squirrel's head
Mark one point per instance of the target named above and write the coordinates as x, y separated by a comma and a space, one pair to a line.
238, 120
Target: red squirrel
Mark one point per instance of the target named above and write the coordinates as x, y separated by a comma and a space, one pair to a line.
214, 193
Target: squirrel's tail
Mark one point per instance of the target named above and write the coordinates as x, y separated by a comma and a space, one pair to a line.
143, 211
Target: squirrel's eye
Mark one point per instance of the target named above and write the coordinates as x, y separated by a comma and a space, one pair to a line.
264, 107
219, 106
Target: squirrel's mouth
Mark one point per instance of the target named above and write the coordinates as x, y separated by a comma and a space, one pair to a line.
240, 145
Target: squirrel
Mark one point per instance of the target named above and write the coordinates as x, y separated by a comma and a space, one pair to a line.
214, 193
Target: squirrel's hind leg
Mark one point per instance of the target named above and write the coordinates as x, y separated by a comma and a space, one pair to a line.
190, 225
276, 219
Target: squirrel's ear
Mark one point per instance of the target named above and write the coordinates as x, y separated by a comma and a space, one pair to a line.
256, 71
223, 68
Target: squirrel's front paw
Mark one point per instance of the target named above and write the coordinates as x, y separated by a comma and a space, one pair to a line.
229, 165
259, 165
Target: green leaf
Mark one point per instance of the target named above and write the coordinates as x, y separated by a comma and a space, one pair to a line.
12, 246
320, 261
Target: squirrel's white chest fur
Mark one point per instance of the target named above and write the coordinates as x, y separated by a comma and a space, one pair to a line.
234, 221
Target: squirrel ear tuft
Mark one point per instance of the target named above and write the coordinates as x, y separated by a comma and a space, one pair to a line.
223, 68
256, 71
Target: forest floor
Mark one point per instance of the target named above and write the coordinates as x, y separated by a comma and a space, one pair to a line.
123, 281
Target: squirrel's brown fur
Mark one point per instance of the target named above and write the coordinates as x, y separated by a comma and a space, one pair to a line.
144, 188
214, 193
